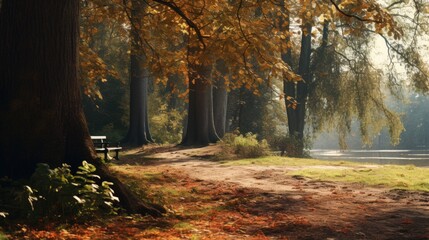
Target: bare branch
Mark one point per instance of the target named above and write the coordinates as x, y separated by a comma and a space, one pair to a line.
394, 3
401, 54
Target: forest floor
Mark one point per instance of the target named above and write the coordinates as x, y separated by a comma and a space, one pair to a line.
207, 199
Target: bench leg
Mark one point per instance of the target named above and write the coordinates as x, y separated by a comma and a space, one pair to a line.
105, 154
117, 154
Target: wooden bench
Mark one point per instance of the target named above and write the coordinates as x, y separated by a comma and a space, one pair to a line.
102, 146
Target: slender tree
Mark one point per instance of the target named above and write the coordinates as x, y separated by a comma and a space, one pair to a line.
220, 98
138, 133
298, 90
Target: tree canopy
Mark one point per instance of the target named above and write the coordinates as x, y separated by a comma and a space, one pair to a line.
346, 83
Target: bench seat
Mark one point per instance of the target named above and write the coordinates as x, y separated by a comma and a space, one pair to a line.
102, 146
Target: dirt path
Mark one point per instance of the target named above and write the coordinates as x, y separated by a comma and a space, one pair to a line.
324, 210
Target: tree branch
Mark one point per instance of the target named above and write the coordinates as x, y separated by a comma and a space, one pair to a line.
239, 22
352, 15
394, 3
188, 21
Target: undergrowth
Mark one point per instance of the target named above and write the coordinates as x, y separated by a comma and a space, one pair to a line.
242, 146
57, 194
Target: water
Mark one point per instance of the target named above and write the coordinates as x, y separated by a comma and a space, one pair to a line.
401, 157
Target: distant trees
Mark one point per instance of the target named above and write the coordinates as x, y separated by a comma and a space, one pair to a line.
321, 51
103, 70
416, 123
341, 82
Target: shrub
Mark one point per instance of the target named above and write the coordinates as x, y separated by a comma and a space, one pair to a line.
289, 145
57, 193
246, 146
166, 125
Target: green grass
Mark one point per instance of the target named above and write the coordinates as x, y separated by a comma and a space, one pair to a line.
285, 161
392, 176
406, 177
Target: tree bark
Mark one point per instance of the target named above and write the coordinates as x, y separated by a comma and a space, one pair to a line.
42, 120
298, 90
41, 113
138, 132
220, 100
200, 129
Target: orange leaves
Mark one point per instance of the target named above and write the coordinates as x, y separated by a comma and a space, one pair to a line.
366, 13
92, 71
291, 102
249, 36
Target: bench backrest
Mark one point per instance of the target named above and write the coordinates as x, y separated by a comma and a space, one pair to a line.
98, 138
98, 141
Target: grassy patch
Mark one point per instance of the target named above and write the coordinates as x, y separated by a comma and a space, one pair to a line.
392, 176
285, 161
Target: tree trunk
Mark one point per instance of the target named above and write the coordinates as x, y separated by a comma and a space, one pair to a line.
298, 90
42, 120
41, 113
138, 132
200, 129
220, 100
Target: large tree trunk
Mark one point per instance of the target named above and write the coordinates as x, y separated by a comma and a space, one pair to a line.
200, 129
42, 120
138, 133
41, 113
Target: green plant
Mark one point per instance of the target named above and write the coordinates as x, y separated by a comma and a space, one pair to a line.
3, 236
58, 193
246, 146
166, 125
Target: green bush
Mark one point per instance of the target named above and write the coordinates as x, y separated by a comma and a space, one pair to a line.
57, 193
166, 125
61, 193
246, 146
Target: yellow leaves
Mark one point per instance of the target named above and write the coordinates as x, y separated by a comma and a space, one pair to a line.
92, 71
